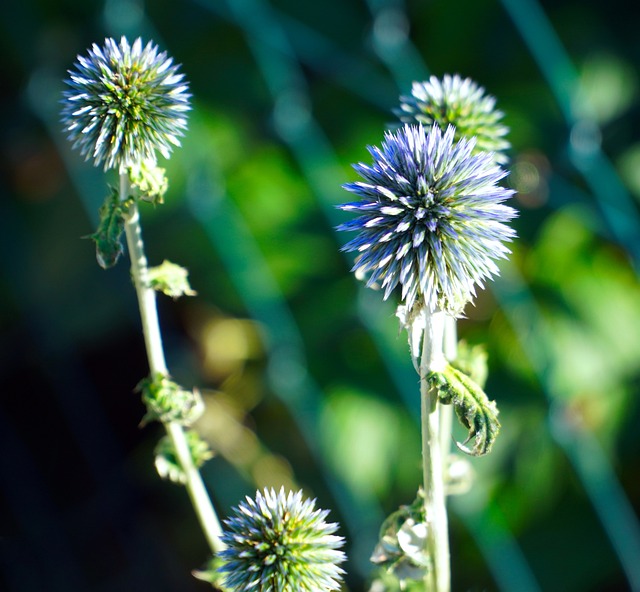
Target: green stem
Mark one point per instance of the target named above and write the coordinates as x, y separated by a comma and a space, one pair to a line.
437, 544
450, 350
157, 365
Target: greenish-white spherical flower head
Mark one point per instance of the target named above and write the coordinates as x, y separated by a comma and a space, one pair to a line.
431, 218
125, 103
459, 102
280, 542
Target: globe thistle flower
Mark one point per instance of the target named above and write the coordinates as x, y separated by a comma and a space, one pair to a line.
125, 103
281, 543
461, 103
431, 218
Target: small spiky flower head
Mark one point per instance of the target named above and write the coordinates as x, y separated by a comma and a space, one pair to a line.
125, 103
461, 103
279, 542
431, 218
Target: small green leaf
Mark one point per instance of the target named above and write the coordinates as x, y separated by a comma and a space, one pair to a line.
210, 572
109, 233
170, 279
401, 546
166, 459
167, 401
472, 360
148, 182
472, 406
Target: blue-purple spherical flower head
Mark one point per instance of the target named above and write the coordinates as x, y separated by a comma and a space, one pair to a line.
280, 542
431, 218
125, 103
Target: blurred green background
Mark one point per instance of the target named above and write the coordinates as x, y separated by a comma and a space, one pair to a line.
307, 379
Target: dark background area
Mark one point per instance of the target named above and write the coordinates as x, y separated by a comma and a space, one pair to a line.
307, 380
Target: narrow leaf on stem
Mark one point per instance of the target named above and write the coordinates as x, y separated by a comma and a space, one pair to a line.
148, 182
472, 406
167, 401
401, 548
170, 279
108, 236
167, 461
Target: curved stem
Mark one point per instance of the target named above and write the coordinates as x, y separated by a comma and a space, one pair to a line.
195, 487
437, 544
157, 365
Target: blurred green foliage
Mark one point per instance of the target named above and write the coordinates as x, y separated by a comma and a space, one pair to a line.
306, 377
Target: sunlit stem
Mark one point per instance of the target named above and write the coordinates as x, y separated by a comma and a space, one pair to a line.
433, 461
450, 350
157, 365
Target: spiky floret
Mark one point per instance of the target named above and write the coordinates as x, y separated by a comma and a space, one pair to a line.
125, 103
279, 542
431, 218
461, 103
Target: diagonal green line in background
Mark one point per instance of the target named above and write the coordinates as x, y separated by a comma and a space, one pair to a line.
586, 154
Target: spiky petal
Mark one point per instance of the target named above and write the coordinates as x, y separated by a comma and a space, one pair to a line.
431, 218
459, 102
279, 542
125, 103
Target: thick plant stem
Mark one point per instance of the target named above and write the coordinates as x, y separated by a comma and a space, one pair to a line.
437, 544
450, 350
157, 365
